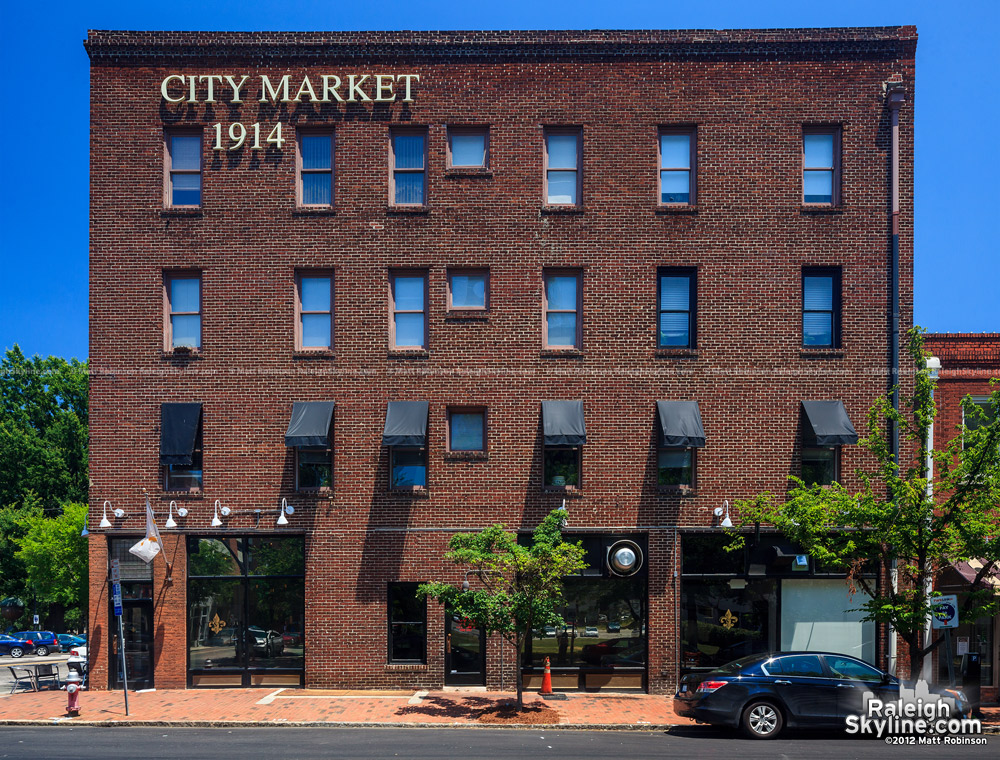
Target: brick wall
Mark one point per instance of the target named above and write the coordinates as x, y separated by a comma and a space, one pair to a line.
749, 93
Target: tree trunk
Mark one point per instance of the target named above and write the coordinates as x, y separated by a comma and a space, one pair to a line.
519, 681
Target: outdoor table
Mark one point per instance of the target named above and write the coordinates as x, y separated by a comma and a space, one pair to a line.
32, 673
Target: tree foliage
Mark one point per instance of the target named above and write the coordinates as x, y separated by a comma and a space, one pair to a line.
518, 587
54, 555
908, 524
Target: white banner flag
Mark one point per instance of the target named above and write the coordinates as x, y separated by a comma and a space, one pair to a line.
151, 545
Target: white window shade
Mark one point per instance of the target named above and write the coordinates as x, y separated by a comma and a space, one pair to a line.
816, 615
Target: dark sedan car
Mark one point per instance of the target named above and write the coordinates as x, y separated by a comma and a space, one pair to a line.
42, 642
765, 693
14, 647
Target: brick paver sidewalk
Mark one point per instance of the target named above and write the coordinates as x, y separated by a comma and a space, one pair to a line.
285, 706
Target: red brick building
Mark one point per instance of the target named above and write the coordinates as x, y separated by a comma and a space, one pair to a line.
292, 233
969, 361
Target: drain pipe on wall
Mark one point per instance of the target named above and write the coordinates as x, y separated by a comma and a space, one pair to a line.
933, 366
895, 95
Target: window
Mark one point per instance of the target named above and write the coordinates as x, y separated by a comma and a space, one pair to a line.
675, 466
183, 161
821, 166
563, 178
563, 306
408, 467
182, 303
408, 186
677, 157
468, 289
315, 165
467, 429
844, 667
821, 308
561, 466
676, 308
313, 468
803, 665
314, 311
407, 624
982, 418
408, 295
820, 465
186, 477
468, 147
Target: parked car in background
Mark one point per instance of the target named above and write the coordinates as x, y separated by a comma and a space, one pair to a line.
764, 693
42, 642
590, 632
614, 627
78, 661
13, 647
550, 631
68, 640
265, 643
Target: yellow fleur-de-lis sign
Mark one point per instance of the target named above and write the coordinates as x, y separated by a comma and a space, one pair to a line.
216, 625
729, 620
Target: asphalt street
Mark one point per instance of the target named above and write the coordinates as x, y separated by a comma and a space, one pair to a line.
31, 743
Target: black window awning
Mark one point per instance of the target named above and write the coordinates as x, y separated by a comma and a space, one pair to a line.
178, 432
562, 423
405, 424
310, 424
826, 423
680, 424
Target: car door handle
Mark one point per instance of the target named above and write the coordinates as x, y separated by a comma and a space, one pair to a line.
845, 685
785, 682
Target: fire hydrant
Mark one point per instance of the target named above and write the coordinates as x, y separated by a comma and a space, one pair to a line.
73, 689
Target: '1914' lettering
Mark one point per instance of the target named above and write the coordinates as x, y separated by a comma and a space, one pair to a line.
238, 136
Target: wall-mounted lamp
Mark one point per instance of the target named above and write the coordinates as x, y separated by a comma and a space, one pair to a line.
105, 522
724, 510
171, 522
564, 518
85, 532
216, 522
285, 510
119, 513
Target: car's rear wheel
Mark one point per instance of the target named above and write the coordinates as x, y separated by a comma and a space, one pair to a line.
16, 652
762, 720
42, 651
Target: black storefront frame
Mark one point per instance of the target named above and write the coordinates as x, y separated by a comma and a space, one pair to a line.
601, 572
135, 679
245, 579
754, 549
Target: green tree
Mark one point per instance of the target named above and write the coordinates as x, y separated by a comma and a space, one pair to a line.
521, 585
906, 523
54, 555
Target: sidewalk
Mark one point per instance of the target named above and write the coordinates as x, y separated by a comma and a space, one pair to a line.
260, 707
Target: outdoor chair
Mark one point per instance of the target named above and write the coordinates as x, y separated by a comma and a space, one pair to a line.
22, 675
48, 672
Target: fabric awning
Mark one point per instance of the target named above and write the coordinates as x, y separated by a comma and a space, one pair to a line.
405, 424
562, 423
827, 424
680, 423
310, 424
178, 432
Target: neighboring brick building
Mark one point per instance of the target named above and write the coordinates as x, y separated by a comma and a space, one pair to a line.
482, 221
969, 361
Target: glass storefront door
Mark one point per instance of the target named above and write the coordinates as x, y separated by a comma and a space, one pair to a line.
137, 620
464, 652
723, 621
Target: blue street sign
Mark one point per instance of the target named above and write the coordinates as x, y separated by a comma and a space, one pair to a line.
116, 597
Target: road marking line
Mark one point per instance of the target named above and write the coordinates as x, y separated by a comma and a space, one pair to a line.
416, 698
270, 697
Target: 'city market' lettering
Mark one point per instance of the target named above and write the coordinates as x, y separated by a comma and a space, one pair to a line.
324, 88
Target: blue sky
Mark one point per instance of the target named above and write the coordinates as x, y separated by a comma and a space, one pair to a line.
43, 192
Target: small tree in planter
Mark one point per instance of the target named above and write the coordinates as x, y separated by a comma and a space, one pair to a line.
519, 587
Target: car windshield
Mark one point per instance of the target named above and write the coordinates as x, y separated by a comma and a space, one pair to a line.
737, 665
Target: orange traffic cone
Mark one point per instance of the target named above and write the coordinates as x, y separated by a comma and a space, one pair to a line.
546, 679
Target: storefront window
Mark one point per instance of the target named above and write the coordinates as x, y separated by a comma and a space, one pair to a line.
977, 637
821, 616
723, 620
246, 601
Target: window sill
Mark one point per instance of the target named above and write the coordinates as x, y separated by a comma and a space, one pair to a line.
314, 211
557, 210
570, 492
561, 353
175, 354
407, 210
820, 210
403, 353
413, 492
314, 493
685, 491
296, 355
405, 667
676, 353
471, 315
679, 208
822, 353
182, 212
182, 494
466, 456
468, 171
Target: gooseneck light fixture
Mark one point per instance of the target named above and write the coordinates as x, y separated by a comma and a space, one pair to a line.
724, 510
105, 522
171, 522
216, 522
285, 510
